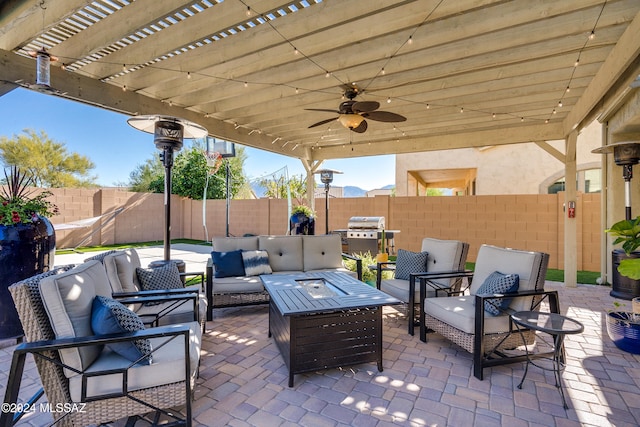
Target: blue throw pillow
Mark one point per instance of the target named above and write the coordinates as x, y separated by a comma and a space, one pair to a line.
108, 316
410, 262
228, 264
498, 283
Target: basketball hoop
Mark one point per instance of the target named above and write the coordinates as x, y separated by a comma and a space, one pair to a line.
214, 161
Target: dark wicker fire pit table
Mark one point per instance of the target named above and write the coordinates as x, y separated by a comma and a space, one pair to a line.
325, 320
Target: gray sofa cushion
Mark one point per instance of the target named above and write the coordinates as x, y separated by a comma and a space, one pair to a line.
245, 284
226, 244
322, 252
285, 252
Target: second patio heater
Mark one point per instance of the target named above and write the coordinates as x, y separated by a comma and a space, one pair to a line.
625, 154
168, 135
326, 176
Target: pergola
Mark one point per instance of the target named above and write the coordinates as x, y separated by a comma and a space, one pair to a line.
465, 73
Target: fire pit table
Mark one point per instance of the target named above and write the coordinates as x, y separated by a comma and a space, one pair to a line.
325, 320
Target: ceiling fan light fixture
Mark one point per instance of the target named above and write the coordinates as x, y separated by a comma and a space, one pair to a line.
350, 121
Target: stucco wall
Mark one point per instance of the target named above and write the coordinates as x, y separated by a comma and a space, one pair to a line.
504, 169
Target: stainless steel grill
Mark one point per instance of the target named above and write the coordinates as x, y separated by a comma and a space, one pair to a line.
363, 234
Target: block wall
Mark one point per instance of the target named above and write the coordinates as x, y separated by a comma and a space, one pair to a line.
532, 222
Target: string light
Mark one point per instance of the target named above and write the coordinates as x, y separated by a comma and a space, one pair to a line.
410, 41
493, 115
295, 51
389, 100
328, 74
577, 62
568, 89
248, 11
592, 35
124, 88
189, 75
382, 71
246, 84
560, 103
462, 109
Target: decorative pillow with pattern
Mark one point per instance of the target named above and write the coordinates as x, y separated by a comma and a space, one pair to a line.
408, 262
160, 278
108, 316
498, 283
256, 263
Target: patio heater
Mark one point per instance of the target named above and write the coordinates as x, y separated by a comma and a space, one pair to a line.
625, 154
168, 133
326, 176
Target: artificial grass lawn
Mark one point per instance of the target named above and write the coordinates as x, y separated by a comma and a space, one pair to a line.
129, 245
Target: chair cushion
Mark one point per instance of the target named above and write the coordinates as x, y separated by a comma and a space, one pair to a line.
256, 263
121, 270
498, 283
444, 255
459, 312
68, 300
108, 316
228, 264
167, 367
285, 252
160, 278
526, 264
408, 262
322, 252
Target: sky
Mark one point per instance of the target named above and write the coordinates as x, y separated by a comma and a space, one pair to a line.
117, 149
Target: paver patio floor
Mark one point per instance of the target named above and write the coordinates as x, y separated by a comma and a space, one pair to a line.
243, 379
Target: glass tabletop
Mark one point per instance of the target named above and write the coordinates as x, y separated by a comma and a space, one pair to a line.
552, 323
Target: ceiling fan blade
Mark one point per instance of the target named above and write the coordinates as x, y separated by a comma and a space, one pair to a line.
322, 109
365, 106
361, 128
384, 116
323, 122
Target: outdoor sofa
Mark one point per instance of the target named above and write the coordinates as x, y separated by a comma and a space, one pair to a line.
230, 284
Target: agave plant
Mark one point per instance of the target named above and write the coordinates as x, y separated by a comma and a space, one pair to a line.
627, 232
19, 204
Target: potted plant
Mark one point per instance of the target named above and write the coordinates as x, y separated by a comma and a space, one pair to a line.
369, 275
302, 220
623, 327
27, 241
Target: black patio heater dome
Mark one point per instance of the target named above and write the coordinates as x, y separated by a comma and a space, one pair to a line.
168, 135
625, 154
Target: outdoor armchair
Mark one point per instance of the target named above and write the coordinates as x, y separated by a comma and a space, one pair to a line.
480, 322
437, 255
82, 371
177, 305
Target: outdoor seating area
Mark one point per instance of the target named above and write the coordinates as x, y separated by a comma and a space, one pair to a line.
243, 378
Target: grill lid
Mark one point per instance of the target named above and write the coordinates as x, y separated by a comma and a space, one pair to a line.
366, 222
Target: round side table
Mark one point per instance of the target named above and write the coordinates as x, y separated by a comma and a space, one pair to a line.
557, 326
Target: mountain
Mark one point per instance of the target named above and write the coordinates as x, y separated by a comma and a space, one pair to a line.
352, 191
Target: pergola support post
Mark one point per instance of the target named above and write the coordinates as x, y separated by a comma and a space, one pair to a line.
570, 212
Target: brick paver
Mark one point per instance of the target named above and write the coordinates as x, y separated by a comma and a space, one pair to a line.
243, 379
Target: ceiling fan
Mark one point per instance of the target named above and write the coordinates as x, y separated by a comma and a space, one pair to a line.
352, 114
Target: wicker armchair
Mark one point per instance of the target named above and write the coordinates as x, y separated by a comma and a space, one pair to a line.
108, 388
463, 319
177, 307
442, 255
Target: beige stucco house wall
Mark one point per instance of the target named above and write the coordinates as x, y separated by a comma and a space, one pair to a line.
506, 169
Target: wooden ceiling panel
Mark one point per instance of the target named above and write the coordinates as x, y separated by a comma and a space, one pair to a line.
192, 58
